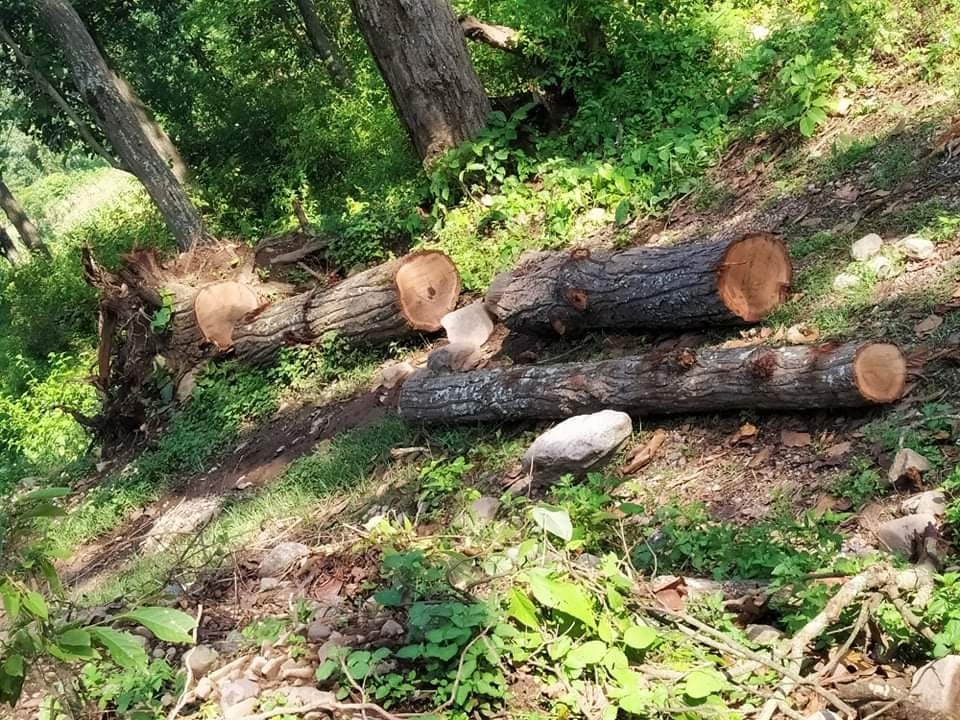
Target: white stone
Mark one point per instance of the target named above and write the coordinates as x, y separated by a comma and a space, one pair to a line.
281, 558
271, 668
392, 375
299, 696
763, 634
484, 508
204, 688
201, 659
881, 267
931, 502
823, 715
866, 247
470, 325
936, 686
917, 247
907, 462
239, 710
455, 357
845, 281
236, 691
899, 535
318, 631
391, 628
578, 444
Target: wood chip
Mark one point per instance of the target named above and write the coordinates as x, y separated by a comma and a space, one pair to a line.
794, 439
802, 334
643, 455
928, 325
747, 431
760, 458
839, 450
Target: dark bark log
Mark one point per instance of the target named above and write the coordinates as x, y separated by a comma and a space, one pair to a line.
10, 251
421, 52
21, 221
84, 130
321, 44
500, 37
673, 287
373, 307
124, 122
687, 381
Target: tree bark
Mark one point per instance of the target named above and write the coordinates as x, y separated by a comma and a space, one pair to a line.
9, 249
500, 37
40, 80
686, 381
123, 120
421, 52
17, 215
321, 43
382, 304
720, 283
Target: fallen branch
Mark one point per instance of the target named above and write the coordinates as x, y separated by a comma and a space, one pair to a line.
500, 37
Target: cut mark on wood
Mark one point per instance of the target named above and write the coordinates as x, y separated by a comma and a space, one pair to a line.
880, 371
219, 307
428, 286
753, 275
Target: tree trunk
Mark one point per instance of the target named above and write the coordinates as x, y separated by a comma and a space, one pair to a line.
673, 287
83, 129
421, 52
686, 381
121, 115
373, 307
9, 249
321, 43
17, 215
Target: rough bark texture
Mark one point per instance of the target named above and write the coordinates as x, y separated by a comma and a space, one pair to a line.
9, 249
421, 52
365, 308
40, 80
17, 215
500, 37
686, 381
124, 122
719, 283
321, 43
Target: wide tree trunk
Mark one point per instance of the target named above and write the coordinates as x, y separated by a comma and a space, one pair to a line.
384, 303
84, 130
421, 52
686, 381
321, 44
719, 283
10, 251
121, 115
17, 215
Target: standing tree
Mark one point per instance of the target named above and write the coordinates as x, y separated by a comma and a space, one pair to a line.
421, 52
17, 215
321, 43
124, 121
9, 249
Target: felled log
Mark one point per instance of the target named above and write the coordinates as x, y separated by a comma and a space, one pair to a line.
719, 283
684, 381
373, 307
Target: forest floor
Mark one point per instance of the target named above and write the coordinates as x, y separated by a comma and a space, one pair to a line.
341, 474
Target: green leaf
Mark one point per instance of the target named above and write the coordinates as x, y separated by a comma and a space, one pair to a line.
563, 596
522, 610
444, 652
13, 665
34, 604
410, 652
640, 637
605, 630
807, 126
703, 683
11, 601
76, 638
45, 493
590, 653
391, 597
615, 659
635, 703
622, 213
553, 520
124, 649
167, 624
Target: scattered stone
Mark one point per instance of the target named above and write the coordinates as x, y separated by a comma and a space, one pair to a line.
239, 710
393, 375
578, 444
159, 653
201, 659
917, 247
391, 628
269, 583
881, 267
899, 535
823, 715
931, 502
318, 631
236, 691
470, 325
589, 561
256, 665
763, 634
866, 247
936, 686
845, 281
242, 483
271, 669
455, 357
484, 508
166, 700
142, 642
281, 558
231, 644
298, 672
204, 688
298, 696
907, 464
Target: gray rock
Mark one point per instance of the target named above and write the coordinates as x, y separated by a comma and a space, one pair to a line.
269, 583
297, 696
201, 659
917, 247
391, 628
159, 653
282, 557
907, 462
866, 247
231, 644
239, 710
470, 325
204, 688
936, 686
899, 535
763, 634
823, 715
318, 631
236, 691
931, 502
881, 267
845, 281
578, 444
455, 357
484, 508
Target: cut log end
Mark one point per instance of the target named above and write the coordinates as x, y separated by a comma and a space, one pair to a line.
880, 371
753, 276
219, 307
428, 286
